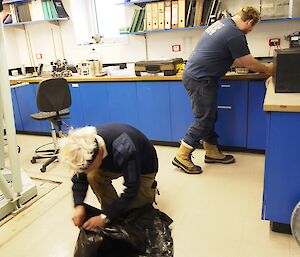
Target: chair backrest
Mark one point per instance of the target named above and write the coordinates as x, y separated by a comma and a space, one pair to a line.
53, 95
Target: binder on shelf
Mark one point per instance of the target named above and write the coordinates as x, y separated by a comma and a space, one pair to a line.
13, 11
8, 19
213, 6
174, 16
36, 10
61, 12
155, 16
190, 13
148, 16
168, 14
51, 10
161, 15
4, 17
181, 13
138, 20
134, 20
23, 12
198, 12
45, 10
140, 24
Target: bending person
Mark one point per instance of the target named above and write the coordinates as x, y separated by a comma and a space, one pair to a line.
98, 155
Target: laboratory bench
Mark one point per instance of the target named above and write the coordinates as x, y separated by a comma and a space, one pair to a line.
157, 105
282, 164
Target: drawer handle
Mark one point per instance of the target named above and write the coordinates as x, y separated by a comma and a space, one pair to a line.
226, 86
224, 107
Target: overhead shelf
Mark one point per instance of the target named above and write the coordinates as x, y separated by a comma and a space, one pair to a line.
15, 1
201, 27
32, 22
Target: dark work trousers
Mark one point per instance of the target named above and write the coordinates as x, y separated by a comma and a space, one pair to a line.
203, 95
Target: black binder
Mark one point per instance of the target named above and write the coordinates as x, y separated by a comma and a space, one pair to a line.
61, 12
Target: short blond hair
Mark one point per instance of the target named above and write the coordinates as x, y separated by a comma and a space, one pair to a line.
76, 150
249, 13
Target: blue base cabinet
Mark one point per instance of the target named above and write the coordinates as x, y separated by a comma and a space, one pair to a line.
75, 119
257, 118
231, 125
160, 109
17, 116
181, 111
122, 101
94, 100
26, 98
154, 110
282, 176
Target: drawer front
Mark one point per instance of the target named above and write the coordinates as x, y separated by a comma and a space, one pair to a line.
231, 125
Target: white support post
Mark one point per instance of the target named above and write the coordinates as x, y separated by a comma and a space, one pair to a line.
6, 99
2, 164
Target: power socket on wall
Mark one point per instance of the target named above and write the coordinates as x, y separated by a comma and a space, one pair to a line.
176, 48
274, 42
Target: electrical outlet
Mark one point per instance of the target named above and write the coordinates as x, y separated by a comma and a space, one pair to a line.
39, 56
274, 42
176, 48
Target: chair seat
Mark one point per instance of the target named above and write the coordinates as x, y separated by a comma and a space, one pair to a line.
48, 115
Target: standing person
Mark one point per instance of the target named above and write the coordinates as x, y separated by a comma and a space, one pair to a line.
98, 155
222, 44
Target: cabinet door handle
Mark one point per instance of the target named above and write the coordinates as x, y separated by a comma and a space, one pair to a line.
224, 107
225, 86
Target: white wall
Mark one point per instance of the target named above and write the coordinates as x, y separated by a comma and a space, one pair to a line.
132, 49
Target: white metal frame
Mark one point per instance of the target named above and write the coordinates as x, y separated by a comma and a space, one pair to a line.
21, 188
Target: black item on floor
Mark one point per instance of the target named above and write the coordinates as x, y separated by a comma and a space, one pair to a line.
280, 227
142, 232
167, 67
286, 73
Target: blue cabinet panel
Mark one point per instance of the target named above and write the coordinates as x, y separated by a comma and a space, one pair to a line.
231, 124
257, 118
17, 116
154, 110
76, 110
282, 176
181, 111
26, 97
95, 106
122, 98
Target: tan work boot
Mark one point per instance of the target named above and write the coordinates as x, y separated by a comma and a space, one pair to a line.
183, 160
213, 155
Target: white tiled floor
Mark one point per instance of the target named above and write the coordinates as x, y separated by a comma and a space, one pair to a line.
216, 214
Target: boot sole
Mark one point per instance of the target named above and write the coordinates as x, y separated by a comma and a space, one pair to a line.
180, 166
219, 161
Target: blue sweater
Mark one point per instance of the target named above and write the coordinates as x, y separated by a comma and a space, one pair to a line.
130, 154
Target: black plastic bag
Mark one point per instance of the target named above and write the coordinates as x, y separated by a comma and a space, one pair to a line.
88, 243
142, 232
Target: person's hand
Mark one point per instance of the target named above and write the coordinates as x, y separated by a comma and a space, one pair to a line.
94, 222
270, 68
79, 215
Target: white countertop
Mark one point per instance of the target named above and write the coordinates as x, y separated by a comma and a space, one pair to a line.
280, 102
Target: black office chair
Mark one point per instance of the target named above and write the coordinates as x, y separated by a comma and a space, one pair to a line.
53, 100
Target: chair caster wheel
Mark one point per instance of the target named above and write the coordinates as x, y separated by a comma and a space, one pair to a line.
43, 169
33, 161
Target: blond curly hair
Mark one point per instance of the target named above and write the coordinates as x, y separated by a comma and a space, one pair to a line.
77, 148
249, 13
